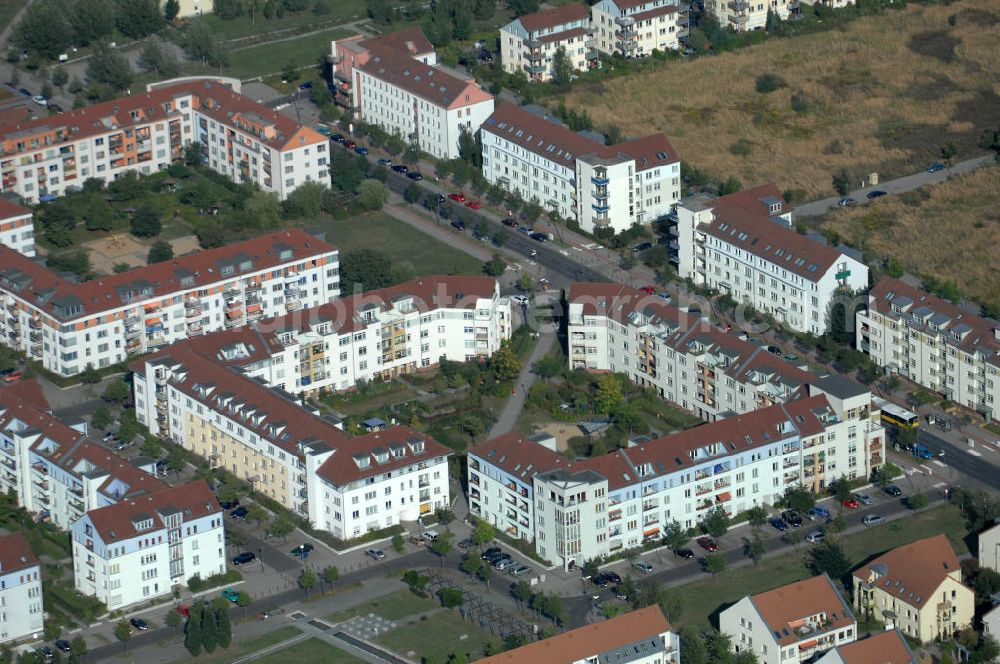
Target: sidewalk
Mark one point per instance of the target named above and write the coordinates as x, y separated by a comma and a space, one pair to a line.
515, 403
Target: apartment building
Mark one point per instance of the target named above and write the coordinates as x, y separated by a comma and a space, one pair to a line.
989, 547
887, 647
590, 508
147, 132
68, 325
688, 361
916, 588
933, 343
637, 637
141, 548
747, 15
374, 335
793, 623
192, 7
636, 28
21, 612
17, 230
529, 43
743, 245
352, 52
427, 105
576, 176
287, 452
56, 471
830, 4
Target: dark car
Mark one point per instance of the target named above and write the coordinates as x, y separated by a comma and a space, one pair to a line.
63, 645
509, 221
485, 56
686, 554
239, 513
603, 579
361, 149
415, 176
491, 553
300, 552
774, 350
385, 162
244, 558
338, 138
893, 491
526, 230
538, 237
778, 524
878, 193
306, 86
229, 504
26, 92
792, 518
642, 246
502, 561
458, 224
139, 624
54, 109
613, 577
45, 653
708, 543
934, 168
401, 168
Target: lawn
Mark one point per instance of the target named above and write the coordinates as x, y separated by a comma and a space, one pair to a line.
703, 599
312, 651
395, 606
960, 214
399, 242
437, 637
239, 648
292, 23
268, 59
883, 94
8, 8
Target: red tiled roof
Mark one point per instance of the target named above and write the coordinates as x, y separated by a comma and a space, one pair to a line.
433, 84
912, 573
646, 151
887, 647
625, 5
411, 41
785, 609
15, 554
589, 641
519, 456
114, 523
551, 18
103, 293
656, 11
563, 36
10, 209
341, 468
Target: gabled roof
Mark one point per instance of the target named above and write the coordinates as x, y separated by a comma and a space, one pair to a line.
9, 209
912, 573
888, 647
518, 456
357, 457
555, 17
434, 84
45, 289
785, 610
120, 521
641, 629
411, 41
15, 554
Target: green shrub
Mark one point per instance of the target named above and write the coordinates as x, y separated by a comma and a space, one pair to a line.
767, 83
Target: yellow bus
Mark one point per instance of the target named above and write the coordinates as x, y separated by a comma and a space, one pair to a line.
899, 417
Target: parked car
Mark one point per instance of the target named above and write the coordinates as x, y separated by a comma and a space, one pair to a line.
375, 554
458, 197
362, 150
815, 536
54, 109
877, 193
525, 230
244, 558
458, 224
792, 518
778, 524
642, 246
350, 145
338, 138
401, 168
503, 562
520, 299
642, 566
818, 512
686, 554
509, 221
491, 552
663, 295
231, 594
708, 543
40, 100
415, 176
239, 513
300, 552
385, 162
430, 535
418, 541
873, 520
893, 490
485, 56
850, 503
649, 290
139, 624
324, 130
224, 504
467, 543
519, 570
474, 204
13, 377
846, 201
864, 498
63, 645
935, 167
44, 653
306, 86
538, 237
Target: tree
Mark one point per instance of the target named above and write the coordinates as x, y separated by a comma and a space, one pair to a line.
372, 194
412, 193
158, 57
532, 210
669, 601
192, 631
716, 522
59, 77
451, 597
590, 569
200, 43
470, 148
282, 528
170, 9
799, 498
330, 574
842, 182
949, 152
138, 18
917, 501
77, 649
757, 517
307, 580
123, 632
607, 393
753, 548
209, 629
100, 418
841, 488
224, 629
364, 270
828, 557
176, 461
730, 186
525, 282
152, 448
485, 532
256, 513
58, 220
244, 600
506, 364
562, 69
109, 67
347, 171
146, 222
264, 209
675, 535
173, 619
398, 544
306, 201
522, 7
715, 563
44, 29
115, 392
160, 251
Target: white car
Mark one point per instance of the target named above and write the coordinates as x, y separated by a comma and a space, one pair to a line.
430, 535
40, 100
519, 299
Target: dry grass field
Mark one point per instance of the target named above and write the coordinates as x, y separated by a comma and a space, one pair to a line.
884, 93
950, 231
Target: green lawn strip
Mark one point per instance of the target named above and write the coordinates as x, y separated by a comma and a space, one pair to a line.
262, 28
995, 428
437, 637
267, 59
398, 241
395, 606
703, 599
312, 651
8, 8
240, 647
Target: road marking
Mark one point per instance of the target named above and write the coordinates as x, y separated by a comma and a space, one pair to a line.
940, 463
938, 485
577, 248
929, 471
974, 452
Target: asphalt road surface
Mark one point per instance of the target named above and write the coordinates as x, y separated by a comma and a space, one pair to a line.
978, 466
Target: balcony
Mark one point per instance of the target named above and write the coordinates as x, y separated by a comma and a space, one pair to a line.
600, 181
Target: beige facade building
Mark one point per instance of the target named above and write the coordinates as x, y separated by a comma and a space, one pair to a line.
746, 15
636, 28
529, 44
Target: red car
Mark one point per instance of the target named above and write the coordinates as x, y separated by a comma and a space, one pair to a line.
851, 503
648, 289
708, 544
459, 197
474, 204
183, 609
350, 145
13, 377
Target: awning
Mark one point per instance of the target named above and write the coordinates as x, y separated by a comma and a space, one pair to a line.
151, 307
234, 314
724, 496
806, 645
155, 320
649, 532
253, 307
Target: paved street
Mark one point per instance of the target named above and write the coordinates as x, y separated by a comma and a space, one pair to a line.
515, 403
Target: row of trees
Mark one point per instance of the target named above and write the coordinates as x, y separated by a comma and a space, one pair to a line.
51, 27
228, 10
208, 627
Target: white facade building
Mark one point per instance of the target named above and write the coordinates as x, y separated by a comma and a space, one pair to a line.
21, 612
529, 43
635, 28
793, 623
426, 105
746, 15
742, 245
57, 472
933, 343
374, 335
67, 325
576, 176
17, 230
590, 508
147, 132
141, 548
888, 647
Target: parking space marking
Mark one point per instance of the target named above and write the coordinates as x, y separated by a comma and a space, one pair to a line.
974, 452
938, 462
